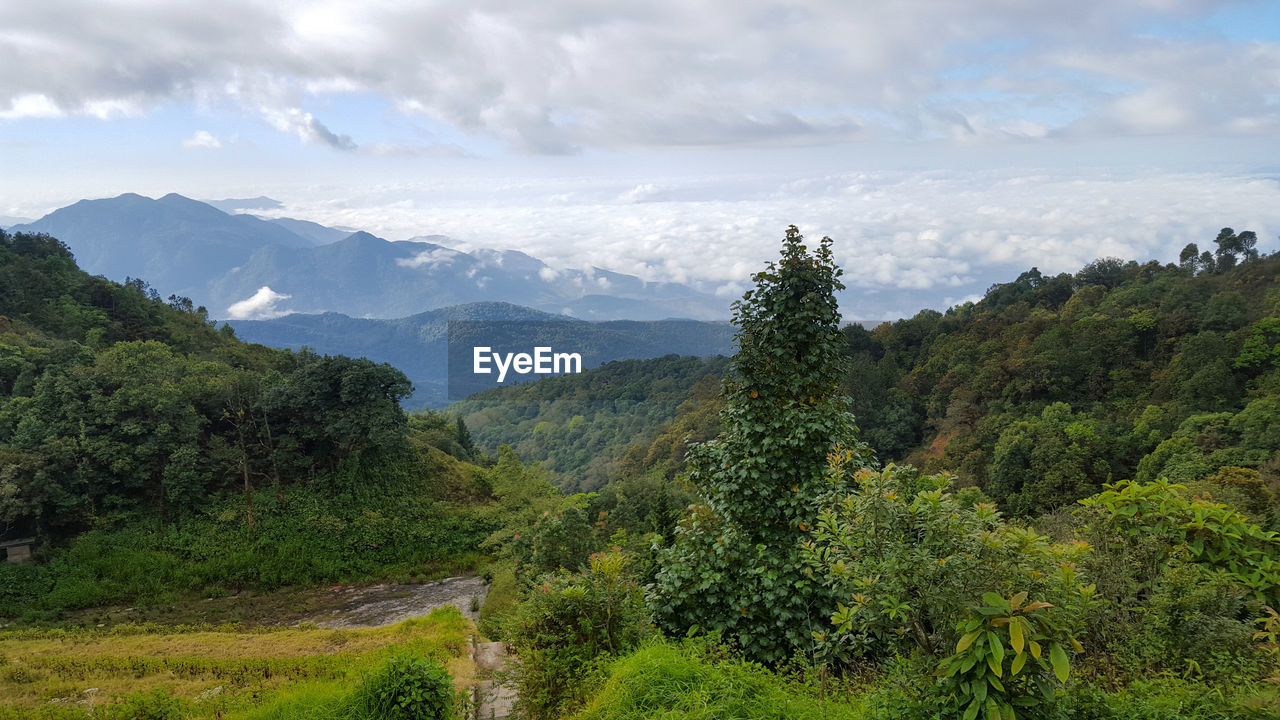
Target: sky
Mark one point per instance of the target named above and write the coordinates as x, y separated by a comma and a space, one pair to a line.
943, 145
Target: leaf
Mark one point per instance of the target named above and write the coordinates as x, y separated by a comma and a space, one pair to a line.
994, 664
994, 600
1015, 635
1058, 658
1035, 649
1016, 601
972, 711
993, 710
997, 648
967, 640
1037, 605
1018, 661
1075, 645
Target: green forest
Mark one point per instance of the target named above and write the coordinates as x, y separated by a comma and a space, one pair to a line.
1057, 502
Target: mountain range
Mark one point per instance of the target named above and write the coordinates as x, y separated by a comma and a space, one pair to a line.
244, 267
418, 344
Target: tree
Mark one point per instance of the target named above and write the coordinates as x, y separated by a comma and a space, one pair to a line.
1233, 248
734, 565
464, 438
1189, 258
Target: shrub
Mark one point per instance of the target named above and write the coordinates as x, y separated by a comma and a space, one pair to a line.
155, 705
696, 681
909, 558
978, 678
406, 687
567, 626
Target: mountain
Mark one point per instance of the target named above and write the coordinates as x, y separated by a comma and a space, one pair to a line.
217, 259
317, 233
7, 221
175, 243
418, 344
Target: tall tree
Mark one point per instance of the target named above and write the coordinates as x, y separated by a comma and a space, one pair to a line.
734, 565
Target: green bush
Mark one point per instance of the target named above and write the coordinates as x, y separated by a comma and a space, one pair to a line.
907, 558
405, 687
155, 705
567, 626
695, 681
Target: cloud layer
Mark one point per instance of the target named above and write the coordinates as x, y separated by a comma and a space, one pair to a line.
907, 239
562, 75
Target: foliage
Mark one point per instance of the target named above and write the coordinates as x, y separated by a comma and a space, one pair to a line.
734, 564
405, 687
568, 625
977, 676
307, 538
907, 558
581, 425
154, 705
1193, 530
697, 680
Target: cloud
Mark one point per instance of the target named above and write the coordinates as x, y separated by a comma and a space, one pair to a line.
306, 127
906, 239
560, 76
429, 259
202, 139
262, 305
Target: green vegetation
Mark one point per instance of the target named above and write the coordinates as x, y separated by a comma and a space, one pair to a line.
1080, 522
734, 564
579, 425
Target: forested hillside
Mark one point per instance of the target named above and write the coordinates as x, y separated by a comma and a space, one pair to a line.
1039, 393
1051, 386
580, 425
150, 455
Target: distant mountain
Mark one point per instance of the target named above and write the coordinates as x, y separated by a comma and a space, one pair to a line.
417, 344
7, 221
317, 233
217, 259
174, 243
230, 205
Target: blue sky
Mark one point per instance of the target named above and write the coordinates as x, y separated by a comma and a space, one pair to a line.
943, 145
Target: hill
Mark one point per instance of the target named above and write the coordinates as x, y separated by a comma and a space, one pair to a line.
581, 425
418, 344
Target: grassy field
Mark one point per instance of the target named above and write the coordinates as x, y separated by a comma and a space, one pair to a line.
227, 671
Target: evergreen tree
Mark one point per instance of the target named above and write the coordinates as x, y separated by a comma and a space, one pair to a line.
464, 438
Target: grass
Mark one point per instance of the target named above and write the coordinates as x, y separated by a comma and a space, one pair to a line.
500, 601
213, 672
666, 681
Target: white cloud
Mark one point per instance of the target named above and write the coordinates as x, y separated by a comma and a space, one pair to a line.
262, 305
203, 139
306, 127
429, 259
559, 76
928, 236
30, 105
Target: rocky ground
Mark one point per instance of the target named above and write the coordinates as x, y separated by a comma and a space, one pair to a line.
374, 605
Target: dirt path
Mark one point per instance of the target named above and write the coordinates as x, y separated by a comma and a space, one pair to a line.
374, 605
